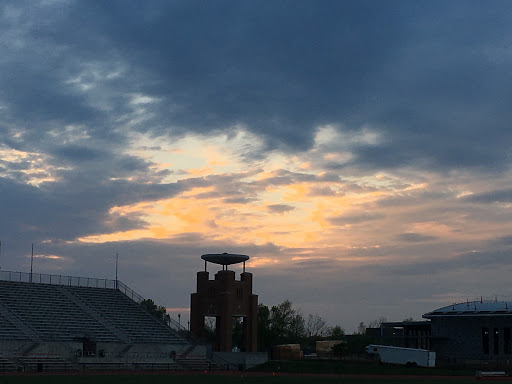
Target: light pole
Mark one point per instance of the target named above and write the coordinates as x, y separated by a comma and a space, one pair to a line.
31, 262
117, 259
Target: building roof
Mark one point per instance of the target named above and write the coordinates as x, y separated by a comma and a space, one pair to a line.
473, 308
393, 324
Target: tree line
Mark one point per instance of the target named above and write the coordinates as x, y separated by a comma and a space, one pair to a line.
160, 312
284, 324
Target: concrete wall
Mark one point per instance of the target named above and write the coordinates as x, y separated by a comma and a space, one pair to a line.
237, 360
110, 351
197, 352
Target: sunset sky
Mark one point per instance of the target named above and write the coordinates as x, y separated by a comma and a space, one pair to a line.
359, 152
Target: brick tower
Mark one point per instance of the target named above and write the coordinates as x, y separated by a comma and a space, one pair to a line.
225, 298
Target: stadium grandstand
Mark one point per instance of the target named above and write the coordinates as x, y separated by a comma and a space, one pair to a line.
65, 323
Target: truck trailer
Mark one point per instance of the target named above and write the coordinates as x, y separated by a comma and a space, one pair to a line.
404, 356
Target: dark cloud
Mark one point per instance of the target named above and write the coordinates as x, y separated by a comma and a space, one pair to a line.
467, 262
319, 191
415, 237
125, 222
328, 177
285, 177
502, 241
499, 196
233, 187
10, 166
209, 195
431, 80
429, 77
238, 200
354, 218
280, 208
78, 154
146, 148
71, 209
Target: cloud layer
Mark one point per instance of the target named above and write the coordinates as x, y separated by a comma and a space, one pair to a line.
359, 152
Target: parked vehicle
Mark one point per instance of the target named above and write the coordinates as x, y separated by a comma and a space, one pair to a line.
411, 357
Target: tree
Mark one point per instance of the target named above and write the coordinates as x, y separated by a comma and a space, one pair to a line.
160, 312
264, 335
357, 343
377, 323
340, 349
336, 333
280, 324
361, 328
280, 319
297, 330
283, 324
209, 330
237, 332
286, 324
315, 326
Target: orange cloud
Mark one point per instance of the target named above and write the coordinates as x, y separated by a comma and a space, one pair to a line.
197, 191
35, 166
117, 236
203, 210
215, 158
259, 262
203, 171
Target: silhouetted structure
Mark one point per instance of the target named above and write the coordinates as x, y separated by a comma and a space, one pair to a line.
405, 334
225, 298
474, 330
470, 333
69, 323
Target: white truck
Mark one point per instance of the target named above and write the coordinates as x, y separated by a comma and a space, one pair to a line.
405, 356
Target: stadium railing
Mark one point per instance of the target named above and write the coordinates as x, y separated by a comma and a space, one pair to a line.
75, 281
71, 281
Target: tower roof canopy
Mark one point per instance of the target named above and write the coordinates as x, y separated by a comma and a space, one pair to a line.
224, 258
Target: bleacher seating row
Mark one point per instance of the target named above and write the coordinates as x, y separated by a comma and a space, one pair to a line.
127, 315
49, 313
8, 331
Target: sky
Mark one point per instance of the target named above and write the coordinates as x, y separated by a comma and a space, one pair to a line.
358, 151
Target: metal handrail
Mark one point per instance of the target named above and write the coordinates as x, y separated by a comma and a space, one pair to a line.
44, 278
70, 281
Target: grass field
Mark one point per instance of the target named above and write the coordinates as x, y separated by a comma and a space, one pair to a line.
226, 379
274, 372
346, 367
